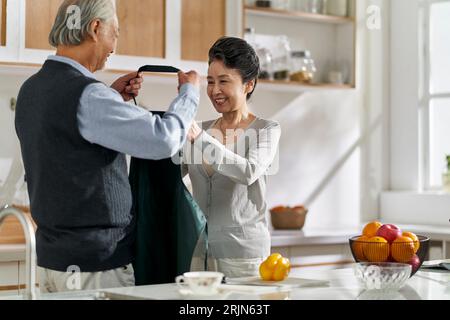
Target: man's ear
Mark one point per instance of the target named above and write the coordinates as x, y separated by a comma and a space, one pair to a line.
94, 29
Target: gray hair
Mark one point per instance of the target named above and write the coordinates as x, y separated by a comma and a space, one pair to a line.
74, 19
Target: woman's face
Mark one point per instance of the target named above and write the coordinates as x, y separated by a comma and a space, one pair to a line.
225, 88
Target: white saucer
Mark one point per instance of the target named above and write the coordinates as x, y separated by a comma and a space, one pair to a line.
189, 295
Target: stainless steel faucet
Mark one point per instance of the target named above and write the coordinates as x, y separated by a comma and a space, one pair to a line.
30, 259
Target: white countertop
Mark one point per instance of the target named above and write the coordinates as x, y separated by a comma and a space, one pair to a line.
341, 235
280, 238
312, 236
342, 285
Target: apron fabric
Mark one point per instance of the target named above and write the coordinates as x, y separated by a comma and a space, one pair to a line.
170, 225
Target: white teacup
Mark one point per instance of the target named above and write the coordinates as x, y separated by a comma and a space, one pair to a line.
201, 283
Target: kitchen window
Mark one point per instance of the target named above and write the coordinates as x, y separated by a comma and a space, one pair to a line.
419, 113
434, 38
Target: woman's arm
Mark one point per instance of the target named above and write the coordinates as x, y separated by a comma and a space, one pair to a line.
262, 152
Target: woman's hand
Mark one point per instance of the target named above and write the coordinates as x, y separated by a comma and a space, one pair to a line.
194, 132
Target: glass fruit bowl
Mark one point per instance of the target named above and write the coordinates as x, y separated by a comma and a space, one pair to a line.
388, 276
412, 253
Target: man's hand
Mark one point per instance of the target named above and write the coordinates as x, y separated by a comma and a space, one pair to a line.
194, 132
190, 77
129, 85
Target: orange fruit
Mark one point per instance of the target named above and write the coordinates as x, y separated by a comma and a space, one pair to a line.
376, 249
281, 270
358, 248
370, 229
414, 238
402, 249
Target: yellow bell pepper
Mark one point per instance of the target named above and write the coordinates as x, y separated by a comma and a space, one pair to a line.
275, 268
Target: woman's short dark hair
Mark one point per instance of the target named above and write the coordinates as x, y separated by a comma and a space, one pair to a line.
236, 53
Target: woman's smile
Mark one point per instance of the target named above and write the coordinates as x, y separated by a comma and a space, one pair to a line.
220, 101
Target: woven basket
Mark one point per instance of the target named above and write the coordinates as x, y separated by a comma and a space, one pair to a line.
288, 218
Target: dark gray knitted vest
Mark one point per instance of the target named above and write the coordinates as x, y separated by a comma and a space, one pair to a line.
79, 192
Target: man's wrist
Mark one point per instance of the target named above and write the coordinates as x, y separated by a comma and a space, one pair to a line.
190, 89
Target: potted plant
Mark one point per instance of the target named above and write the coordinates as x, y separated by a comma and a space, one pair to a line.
446, 176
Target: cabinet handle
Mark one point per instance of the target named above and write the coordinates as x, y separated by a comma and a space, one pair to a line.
13, 104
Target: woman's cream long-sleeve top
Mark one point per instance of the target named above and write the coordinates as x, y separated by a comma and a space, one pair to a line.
232, 196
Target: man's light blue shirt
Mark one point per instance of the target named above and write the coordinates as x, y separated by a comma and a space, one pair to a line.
105, 119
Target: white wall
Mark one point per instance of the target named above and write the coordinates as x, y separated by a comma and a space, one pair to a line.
374, 74
318, 133
405, 96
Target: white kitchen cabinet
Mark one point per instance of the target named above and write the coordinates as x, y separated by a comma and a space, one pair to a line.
9, 278
22, 276
23, 47
9, 39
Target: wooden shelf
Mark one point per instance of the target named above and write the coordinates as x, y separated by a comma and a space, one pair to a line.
299, 15
291, 86
28, 69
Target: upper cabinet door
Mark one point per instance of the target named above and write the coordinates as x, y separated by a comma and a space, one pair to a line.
202, 23
2, 22
40, 16
142, 27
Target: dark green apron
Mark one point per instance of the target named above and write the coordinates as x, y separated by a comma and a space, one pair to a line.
169, 221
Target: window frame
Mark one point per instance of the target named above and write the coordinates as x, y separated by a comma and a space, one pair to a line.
426, 96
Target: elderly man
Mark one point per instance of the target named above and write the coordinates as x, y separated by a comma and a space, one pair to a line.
74, 133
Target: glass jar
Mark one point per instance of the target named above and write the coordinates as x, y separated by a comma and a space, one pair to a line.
317, 6
303, 66
282, 4
250, 37
263, 3
301, 5
264, 55
282, 59
337, 8
265, 62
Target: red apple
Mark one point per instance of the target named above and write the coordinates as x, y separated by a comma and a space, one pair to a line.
390, 232
415, 263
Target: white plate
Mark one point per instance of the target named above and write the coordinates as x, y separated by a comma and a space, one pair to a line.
290, 282
189, 295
